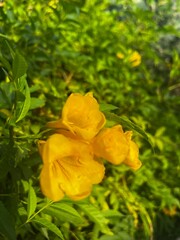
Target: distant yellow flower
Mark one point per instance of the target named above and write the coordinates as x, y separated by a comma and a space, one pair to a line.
115, 146
135, 59
170, 211
68, 168
53, 3
120, 55
81, 115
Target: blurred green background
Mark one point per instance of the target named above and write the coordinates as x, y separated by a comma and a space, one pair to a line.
128, 54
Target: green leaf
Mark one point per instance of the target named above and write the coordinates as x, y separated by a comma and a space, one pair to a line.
6, 95
36, 103
6, 223
23, 106
32, 201
19, 67
112, 213
5, 62
64, 213
127, 123
49, 225
4, 36
107, 107
10, 49
160, 131
96, 216
6, 161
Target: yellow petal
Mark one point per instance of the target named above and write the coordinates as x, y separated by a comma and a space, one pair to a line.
132, 159
56, 146
111, 144
80, 196
41, 146
56, 124
49, 183
72, 180
78, 172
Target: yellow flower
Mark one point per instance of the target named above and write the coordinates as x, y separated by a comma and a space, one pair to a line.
120, 55
117, 147
170, 211
81, 115
132, 159
135, 59
53, 3
111, 144
68, 168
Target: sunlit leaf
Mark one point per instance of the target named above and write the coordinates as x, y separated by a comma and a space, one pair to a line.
96, 216
64, 213
32, 201
160, 131
4, 36
107, 107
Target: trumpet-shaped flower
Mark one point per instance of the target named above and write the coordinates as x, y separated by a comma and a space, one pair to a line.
117, 147
111, 144
68, 168
81, 115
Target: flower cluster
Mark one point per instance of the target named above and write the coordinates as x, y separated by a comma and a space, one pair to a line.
72, 156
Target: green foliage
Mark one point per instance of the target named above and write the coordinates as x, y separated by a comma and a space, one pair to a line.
6, 223
32, 202
49, 225
51, 48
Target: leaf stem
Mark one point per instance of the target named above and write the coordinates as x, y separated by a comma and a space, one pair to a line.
11, 136
28, 220
95, 232
48, 204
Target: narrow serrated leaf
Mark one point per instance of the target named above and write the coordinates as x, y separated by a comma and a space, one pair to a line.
5, 62
49, 225
7, 228
6, 95
127, 123
10, 49
4, 36
112, 213
107, 107
96, 216
19, 67
36, 103
25, 105
160, 131
32, 202
64, 213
